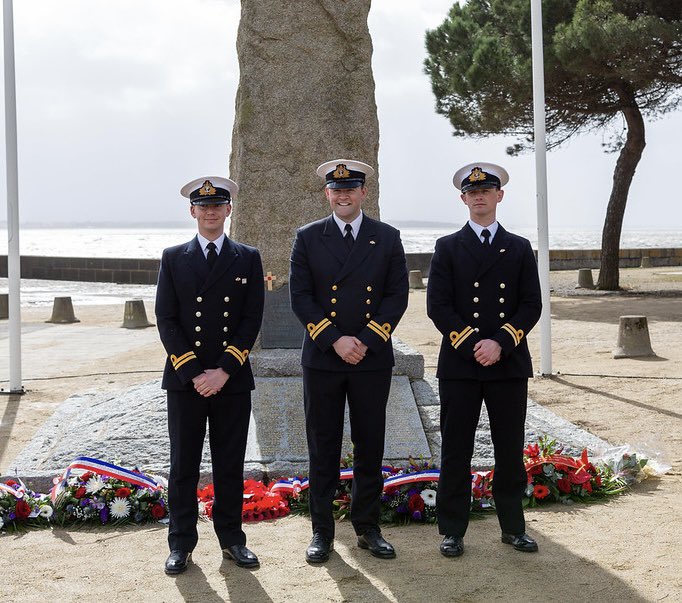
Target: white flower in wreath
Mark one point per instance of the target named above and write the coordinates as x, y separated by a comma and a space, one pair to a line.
94, 484
2, 522
119, 507
46, 511
429, 497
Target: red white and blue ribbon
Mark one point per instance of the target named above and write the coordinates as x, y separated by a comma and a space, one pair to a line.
16, 492
297, 484
292, 485
85, 464
431, 475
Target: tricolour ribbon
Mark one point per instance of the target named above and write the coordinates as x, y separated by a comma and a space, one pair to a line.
103, 468
17, 493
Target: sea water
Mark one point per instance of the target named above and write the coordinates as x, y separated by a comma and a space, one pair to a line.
150, 242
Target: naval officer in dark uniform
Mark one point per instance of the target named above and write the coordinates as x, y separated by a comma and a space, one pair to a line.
484, 297
349, 288
209, 307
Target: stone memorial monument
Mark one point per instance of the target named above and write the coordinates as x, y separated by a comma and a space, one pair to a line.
306, 95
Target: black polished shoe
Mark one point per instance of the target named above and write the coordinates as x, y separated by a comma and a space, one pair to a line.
375, 543
319, 548
452, 546
521, 542
177, 562
242, 556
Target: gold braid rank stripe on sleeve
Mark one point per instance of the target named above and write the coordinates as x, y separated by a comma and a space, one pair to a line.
178, 361
315, 329
383, 331
241, 356
457, 338
517, 336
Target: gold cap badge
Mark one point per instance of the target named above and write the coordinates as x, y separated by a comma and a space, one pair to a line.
340, 172
477, 174
206, 189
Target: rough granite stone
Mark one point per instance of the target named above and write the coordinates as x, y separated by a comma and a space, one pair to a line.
305, 96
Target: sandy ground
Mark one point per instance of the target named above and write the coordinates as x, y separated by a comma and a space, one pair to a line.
627, 549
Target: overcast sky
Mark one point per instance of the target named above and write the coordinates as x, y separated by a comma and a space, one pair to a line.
121, 103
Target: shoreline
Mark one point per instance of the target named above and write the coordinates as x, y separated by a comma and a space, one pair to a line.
145, 271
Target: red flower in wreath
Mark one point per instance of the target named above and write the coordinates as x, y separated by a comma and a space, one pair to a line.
540, 491
86, 476
564, 485
80, 493
22, 509
415, 503
158, 511
579, 477
123, 492
206, 493
532, 450
11, 483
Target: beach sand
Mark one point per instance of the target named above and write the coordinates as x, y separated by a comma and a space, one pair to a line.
626, 549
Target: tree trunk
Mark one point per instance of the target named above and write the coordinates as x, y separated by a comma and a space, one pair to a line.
626, 165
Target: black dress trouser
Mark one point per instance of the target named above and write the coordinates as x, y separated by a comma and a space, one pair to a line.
228, 423
461, 401
325, 395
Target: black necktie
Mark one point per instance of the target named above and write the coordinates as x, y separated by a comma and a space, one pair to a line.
212, 254
348, 237
485, 233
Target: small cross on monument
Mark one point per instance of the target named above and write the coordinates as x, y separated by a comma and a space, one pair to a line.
268, 278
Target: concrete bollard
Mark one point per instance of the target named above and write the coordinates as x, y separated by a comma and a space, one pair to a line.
633, 338
646, 262
62, 311
134, 315
415, 279
585, 278
4, 305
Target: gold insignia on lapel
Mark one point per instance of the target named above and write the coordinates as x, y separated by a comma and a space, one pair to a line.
206, 189
340, 172
477, 174
372, 242
239, 278
502, 250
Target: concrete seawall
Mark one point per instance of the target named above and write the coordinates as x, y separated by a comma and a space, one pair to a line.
144, 271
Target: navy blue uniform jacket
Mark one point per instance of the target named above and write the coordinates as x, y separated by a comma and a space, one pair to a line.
209, 318
475, 294
334, 293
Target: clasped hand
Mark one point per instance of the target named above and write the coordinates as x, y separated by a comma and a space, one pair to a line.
350, 349
210, 382
487, 352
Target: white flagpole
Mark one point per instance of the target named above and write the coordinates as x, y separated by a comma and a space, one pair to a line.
13, 255
541, 184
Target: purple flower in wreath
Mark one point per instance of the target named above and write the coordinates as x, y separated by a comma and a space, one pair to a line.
402, 509
104, 514
417, 515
